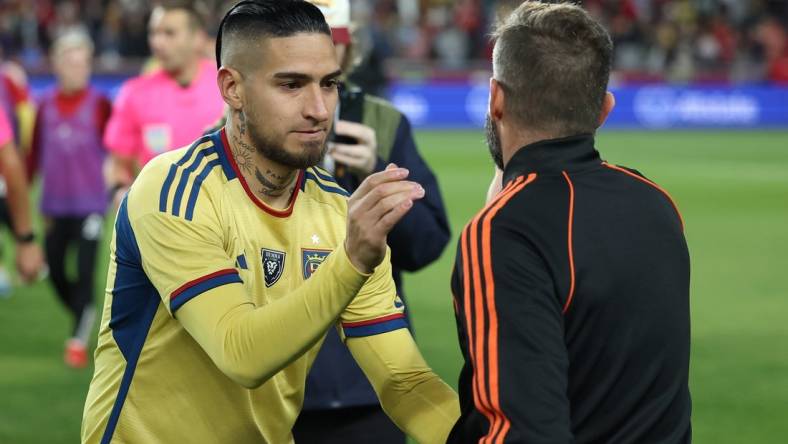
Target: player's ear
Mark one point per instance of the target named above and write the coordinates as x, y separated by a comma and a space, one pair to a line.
608, 104
231, 87
496, 99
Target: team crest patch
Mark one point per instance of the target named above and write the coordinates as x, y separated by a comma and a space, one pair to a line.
273, 265
311, 259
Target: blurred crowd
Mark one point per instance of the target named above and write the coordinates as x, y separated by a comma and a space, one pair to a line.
673, 40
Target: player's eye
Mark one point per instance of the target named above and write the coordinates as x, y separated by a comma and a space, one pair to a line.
331, 84
291, 86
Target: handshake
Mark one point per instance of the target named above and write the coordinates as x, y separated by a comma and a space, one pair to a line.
374, 208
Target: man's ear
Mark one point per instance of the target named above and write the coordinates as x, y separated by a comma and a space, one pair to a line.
496, 99
608, 103
231, 87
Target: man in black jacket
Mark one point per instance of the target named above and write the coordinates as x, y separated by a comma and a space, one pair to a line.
571, 286
339, 404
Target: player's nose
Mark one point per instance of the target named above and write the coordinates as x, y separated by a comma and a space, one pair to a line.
316, 105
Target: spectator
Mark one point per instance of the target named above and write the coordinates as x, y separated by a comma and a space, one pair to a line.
772, 36
683, 40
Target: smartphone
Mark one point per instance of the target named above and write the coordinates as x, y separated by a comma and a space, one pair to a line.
351, 108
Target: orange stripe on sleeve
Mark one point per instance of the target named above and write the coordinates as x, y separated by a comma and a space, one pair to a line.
466, 286
644, 180
479, 327
501, 424
474, 339
569, 242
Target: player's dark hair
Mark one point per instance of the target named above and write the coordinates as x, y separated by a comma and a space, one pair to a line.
253, 19
553, 62
197, 10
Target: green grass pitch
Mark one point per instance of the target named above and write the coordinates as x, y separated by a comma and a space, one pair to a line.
732, 188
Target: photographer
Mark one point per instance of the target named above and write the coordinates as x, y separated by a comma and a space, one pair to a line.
340, 405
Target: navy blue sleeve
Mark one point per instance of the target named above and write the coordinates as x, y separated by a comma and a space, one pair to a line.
420, 237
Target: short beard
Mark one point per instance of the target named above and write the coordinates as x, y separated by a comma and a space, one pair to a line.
493, 142
274, 150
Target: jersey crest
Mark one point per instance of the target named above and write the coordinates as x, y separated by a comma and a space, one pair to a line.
273, 265
311, 259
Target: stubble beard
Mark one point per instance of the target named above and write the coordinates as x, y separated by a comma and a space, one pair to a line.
272, 149
493, 142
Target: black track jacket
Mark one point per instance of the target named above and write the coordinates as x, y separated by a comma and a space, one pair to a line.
571, 291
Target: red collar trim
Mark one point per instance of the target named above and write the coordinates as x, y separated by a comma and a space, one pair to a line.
272, 211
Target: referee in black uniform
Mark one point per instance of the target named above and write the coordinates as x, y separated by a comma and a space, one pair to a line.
571, 286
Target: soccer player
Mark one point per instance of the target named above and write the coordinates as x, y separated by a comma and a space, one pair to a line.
68, 152
572, 286
29, 260
339, 405
19, 111
15, 101
231, 258
169, 107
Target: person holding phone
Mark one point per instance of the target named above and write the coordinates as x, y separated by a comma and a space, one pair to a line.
340, 405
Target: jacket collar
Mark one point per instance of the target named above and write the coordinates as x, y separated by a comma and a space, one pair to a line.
568, 154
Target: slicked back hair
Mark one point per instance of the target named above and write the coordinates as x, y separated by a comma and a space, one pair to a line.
553, 62
255, 19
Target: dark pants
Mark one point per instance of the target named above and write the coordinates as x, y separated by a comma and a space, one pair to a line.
5, 218
361, 425
82, 233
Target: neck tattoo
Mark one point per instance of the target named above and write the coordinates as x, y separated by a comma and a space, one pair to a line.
273, 184
243, 155
241, 123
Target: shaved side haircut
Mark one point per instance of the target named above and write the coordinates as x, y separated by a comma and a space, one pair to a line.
252, 20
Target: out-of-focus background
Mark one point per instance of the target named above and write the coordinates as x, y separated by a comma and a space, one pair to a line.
702, 109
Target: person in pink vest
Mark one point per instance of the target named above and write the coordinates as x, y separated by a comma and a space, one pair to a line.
68, 153
29, 260
169, 106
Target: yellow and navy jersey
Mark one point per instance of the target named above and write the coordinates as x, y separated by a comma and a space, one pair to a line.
191, 224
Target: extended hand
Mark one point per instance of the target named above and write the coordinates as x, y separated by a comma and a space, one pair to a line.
373, 210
